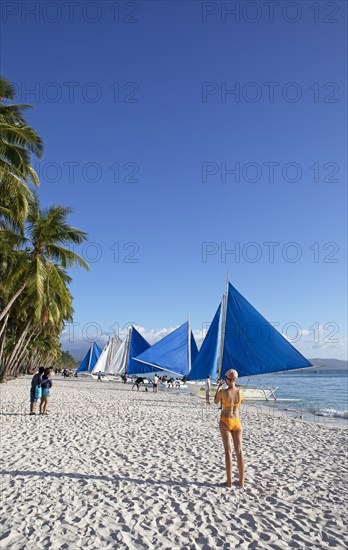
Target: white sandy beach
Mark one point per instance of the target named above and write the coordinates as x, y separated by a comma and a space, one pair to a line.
110, 468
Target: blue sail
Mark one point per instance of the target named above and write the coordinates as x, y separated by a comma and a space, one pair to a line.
90, 359
137, 345
242, 339
171, 353
194, 349
251, 344
206, 361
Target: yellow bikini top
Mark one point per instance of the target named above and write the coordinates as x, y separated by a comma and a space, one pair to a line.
226, 404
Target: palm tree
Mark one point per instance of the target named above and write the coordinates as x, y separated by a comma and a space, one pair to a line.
47, 234
34, 295
28, 327
35, 300
18, 142
14, 269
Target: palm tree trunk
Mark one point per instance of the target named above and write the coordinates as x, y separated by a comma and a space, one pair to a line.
2, 366
33, 361
17, 347
30, 363
4, 325
3, 338
15, 368
13, 299
32, 335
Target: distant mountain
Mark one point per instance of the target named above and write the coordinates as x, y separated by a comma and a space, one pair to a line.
332, 364
79, 349
321, 366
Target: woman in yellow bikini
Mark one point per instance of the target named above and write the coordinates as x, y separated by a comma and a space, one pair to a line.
230, 425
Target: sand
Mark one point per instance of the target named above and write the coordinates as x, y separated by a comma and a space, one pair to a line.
111, 468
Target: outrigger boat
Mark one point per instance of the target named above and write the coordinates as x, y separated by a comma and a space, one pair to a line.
254, 394
240, 338
90, 359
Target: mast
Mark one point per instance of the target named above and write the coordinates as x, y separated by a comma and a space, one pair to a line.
111, 350
90, 357
189, 344
223, 327
109, 355
128, 347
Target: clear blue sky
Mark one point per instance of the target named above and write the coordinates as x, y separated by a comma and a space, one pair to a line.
145, 94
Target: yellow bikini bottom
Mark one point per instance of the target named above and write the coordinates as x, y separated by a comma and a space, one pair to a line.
231, 423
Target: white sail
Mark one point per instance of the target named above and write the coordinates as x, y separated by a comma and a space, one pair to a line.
108, 354
102, 361
119, 360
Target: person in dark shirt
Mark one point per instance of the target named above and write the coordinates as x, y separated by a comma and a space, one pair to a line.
35, 381
137, 383
46, 385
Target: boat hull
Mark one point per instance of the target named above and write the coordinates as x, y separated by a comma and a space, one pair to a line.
254, 394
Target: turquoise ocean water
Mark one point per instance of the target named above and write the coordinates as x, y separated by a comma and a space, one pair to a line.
314, 395
317, 394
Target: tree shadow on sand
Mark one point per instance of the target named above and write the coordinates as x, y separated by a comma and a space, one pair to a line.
109, 479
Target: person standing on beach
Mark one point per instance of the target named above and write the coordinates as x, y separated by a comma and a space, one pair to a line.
230, 425
46, 385
155, 383
35, 381
207, 390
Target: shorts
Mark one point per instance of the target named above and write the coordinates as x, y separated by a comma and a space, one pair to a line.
33, 399
45, 392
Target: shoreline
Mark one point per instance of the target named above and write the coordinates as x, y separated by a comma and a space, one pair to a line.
302, 402
278, 409
271, 408
110, 467
301, 415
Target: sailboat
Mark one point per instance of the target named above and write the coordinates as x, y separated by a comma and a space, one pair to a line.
106, 356
123, 362
90, 359
240, 338
174, 353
